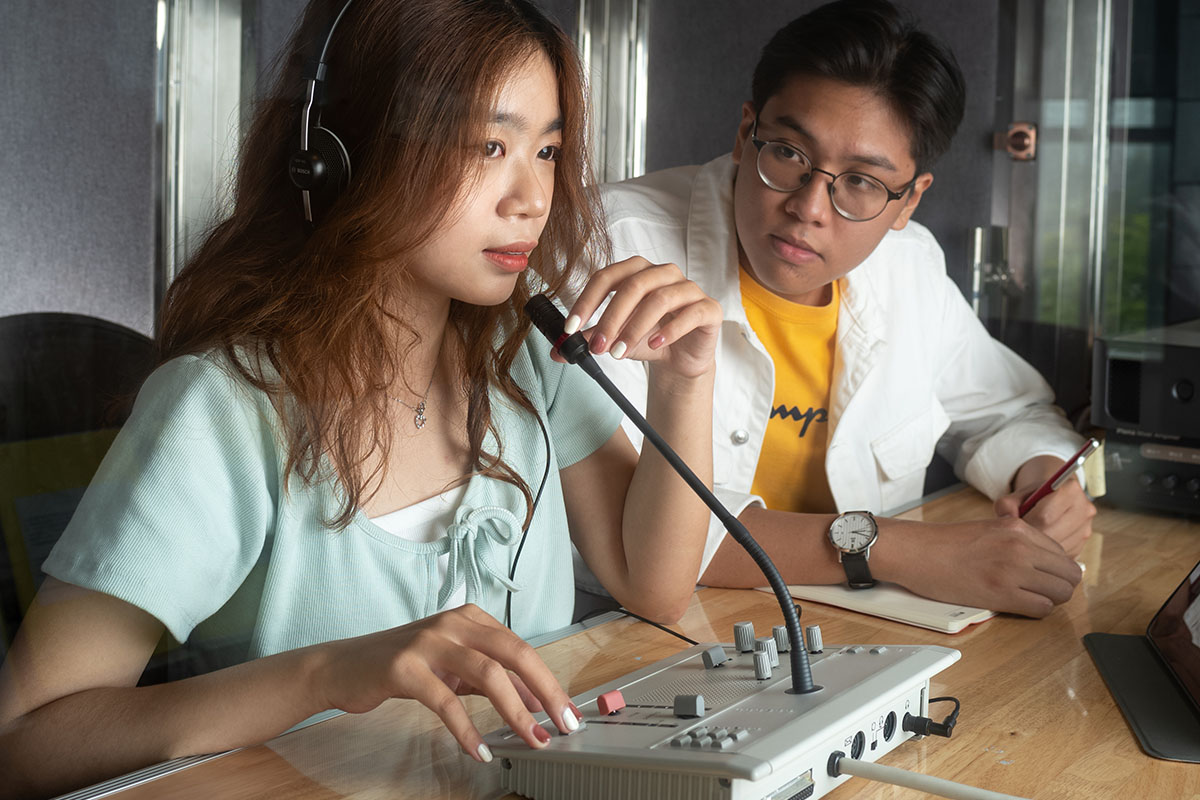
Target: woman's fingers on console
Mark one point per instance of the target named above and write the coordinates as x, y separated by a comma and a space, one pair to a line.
449, 668
466, 651
490, 678
432, 692
522, 667
527, 697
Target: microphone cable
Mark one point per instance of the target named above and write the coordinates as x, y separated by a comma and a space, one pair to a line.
521, 545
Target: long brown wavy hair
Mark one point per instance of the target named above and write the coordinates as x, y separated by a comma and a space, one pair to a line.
303, 315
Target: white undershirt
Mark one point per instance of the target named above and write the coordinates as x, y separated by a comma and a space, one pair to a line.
427, 521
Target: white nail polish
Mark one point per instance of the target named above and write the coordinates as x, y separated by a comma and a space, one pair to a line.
570, 721
618, 350
572, 324
485, 753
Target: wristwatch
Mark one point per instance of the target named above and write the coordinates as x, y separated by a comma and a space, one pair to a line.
852, 534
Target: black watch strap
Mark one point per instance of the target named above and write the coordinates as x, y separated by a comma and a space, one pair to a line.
858, 574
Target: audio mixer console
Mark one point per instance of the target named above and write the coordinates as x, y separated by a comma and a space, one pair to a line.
709, 723
720, 722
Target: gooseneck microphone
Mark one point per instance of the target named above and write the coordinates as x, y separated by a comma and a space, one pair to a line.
574, 348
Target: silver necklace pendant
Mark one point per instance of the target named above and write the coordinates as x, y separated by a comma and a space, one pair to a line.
419, 420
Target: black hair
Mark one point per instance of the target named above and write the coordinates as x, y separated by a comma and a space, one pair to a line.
876, 45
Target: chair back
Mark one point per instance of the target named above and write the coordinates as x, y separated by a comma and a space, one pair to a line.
67, 383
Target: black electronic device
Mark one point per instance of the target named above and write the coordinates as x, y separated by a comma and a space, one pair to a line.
320, 169
1146, 394
1155, 678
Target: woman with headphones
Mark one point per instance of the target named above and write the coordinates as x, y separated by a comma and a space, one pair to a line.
352, 466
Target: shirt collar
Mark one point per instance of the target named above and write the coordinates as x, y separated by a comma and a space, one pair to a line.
712, 255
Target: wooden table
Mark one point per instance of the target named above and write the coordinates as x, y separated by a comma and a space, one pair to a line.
1036, 721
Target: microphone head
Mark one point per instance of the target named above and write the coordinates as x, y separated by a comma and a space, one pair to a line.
549, 320
545, 316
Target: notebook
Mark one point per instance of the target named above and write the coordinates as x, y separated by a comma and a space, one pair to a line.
896, 603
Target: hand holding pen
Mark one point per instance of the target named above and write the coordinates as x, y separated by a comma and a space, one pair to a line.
1066, 472
1057, 507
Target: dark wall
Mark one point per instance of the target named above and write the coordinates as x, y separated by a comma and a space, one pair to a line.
77, 204
702, 55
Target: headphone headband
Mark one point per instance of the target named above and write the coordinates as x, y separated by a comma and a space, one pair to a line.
321, 166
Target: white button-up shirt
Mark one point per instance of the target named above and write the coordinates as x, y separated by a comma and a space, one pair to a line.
913, 367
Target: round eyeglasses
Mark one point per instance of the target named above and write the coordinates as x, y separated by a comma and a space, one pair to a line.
855, 195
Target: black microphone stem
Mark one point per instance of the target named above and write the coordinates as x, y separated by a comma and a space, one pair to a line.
802, 681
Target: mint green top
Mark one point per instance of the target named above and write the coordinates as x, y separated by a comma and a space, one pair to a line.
187, 518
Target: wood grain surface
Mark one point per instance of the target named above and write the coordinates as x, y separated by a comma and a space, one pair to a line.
1036, 721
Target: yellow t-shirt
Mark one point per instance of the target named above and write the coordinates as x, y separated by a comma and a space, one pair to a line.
800, 339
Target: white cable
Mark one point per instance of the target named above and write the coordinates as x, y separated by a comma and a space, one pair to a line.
914, 780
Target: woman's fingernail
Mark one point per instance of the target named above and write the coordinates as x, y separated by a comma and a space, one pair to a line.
541, 734
596, 345
618, 350
484, 753
578, 713
569, 720
572, 324
656, 341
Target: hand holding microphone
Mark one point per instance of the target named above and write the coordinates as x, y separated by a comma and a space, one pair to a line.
655, 314
685, 326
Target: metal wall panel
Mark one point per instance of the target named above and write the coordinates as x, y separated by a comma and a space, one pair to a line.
77, 205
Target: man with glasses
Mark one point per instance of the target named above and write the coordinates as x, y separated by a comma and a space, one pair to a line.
847, 354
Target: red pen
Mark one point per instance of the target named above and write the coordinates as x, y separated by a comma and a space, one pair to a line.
1058, 478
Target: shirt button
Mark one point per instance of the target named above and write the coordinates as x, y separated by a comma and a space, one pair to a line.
739, 437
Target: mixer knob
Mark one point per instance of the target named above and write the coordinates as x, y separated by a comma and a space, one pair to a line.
743, 636
762, 665
812, 637
767, 645
782, 641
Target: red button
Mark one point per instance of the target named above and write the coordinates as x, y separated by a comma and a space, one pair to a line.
610, 702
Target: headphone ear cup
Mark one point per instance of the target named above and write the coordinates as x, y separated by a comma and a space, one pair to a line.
337, 162
306, 168
325, 171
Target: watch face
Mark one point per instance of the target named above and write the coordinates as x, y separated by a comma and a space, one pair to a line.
852, 533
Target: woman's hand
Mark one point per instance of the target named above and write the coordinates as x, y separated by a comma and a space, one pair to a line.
433, 660
638, 525
655, 314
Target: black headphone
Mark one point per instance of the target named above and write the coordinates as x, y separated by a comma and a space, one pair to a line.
320, 169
